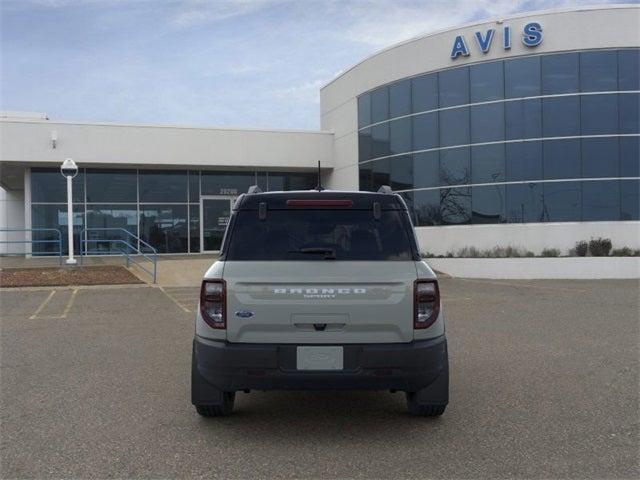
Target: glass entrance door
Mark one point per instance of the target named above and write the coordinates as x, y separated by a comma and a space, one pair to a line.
214, 216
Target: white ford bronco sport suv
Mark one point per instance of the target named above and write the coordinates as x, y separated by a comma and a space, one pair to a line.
319, 290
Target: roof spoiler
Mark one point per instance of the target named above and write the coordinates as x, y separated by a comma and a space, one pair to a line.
385, 189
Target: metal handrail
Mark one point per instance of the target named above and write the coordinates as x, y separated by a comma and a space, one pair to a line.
150, 256
32, 241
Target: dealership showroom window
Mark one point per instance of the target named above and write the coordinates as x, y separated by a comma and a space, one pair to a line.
162, 207
545, 138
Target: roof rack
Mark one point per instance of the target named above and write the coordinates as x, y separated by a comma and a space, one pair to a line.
385, 189
254, 189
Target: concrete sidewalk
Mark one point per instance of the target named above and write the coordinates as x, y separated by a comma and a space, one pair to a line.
178, 271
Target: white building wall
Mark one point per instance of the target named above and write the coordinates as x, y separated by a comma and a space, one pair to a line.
530, 236
29, 141
11, 217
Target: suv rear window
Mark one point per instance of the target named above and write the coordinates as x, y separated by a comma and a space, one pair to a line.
320, 235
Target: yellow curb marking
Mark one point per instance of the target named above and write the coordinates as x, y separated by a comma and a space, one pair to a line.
65, 312
42, 305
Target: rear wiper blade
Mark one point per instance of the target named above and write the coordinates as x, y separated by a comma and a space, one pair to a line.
330, 253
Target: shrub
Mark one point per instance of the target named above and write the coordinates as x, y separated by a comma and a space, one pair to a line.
600, 247
550, 252
581, 248
530, 254
625, 252
469, 252
427, 255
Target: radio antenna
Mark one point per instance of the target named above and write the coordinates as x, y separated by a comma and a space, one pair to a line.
319, 187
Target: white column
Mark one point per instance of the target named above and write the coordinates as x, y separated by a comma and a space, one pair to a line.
70, 260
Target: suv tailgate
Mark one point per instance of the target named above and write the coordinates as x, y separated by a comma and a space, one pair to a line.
328, 302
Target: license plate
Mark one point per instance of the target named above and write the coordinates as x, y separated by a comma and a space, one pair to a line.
320, 358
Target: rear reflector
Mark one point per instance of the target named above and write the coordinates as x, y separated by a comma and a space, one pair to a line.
320, 203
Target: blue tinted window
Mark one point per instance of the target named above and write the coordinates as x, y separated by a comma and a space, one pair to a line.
523, 119
113, 217
426, 207
424, 92
560, 73
425, 131
408, 200
194, 186
523, 161
400, 98
629, 113
426, 169
163, 186
600, 157
454, 127
487, 123
401, 175
524, 203
630, 156
630, 198
488, 204
629, 69
400, 135
380, 140
53, 216
379, 105
600, 200
112, 186
453, 87
561, 159
381, 173
49, 186
487, 81
194, 228
522, 77
164, 227
364, 110
562, 201
599, 114
454, 166
487, 164
364, 145
561, 116
366, 179
455, 205
599, 71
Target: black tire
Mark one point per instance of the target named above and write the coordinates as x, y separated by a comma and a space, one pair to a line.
418, 409
223, 410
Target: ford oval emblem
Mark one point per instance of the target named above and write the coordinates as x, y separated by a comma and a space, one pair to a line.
244, 313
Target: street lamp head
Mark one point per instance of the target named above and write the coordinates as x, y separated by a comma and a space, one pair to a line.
69, 169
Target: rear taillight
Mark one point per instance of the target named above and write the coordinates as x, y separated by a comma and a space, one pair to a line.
213, 303
426, 303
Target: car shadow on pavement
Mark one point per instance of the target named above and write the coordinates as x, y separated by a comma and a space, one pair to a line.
320, 415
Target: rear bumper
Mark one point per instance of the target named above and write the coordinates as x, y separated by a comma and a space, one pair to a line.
406, 366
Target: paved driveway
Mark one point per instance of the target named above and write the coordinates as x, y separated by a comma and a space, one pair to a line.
544, 383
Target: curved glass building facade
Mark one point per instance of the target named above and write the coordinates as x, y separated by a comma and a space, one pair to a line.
536, 138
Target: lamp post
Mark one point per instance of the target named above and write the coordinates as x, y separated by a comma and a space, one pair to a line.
69, 170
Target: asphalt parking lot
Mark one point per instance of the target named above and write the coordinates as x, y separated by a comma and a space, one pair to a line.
544, 384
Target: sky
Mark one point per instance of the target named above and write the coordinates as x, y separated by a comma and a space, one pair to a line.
227, 63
